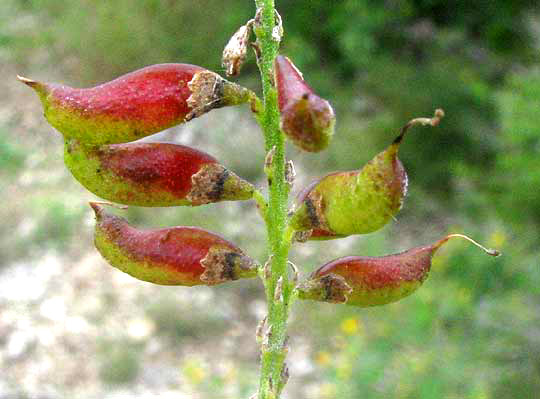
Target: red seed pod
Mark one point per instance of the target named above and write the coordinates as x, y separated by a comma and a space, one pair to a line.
170, 256
153, 174
370, 281
306, 119
137, 104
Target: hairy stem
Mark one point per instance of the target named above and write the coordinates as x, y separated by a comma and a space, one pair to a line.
278, 287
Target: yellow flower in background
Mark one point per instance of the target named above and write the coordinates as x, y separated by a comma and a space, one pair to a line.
193, 371
350, 326
323, 358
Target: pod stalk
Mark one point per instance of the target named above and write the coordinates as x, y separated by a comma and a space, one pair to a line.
434, 121
489, 251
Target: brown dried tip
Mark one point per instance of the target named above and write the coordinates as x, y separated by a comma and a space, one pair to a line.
267, 268
235, 51
206, 93
260, 329
27, 81
296, 273
222, 265
302, 236
315, 209
330, 288
208, 184
277, 32
437, 116
278, 293
290, 173
269, 158
215, 183
39, 87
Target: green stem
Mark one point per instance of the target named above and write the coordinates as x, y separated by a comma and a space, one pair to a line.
273, 345
262, 205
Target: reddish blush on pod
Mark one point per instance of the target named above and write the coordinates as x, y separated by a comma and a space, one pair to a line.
137, 104
153, 174
179, 255
306, 119
371, 281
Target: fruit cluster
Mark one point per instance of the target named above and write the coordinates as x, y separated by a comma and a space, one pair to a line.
99, 126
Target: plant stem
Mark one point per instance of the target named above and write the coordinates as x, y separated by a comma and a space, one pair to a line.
273, 351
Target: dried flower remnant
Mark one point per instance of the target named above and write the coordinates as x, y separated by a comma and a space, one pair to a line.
235, 52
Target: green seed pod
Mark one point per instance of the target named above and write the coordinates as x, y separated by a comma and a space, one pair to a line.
170, 256
357, 202
153, 174
137, 104
370, 281
306, 119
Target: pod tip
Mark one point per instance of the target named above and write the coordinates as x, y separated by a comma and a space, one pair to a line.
489, 251
493, 252
434, 121
97, 206
27, 81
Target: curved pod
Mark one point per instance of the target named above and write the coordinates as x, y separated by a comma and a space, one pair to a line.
137, 104
153, 174
169, 256
370, 281
357, 202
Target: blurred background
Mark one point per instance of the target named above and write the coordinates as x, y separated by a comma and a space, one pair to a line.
73, 327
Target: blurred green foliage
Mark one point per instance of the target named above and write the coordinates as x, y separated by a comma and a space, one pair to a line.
472, 330
11, 156
518, 160
119, 361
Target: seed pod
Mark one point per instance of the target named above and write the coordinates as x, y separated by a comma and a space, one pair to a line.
371, 281
357, 202
153, 174
137, 104
170, 256
306, 119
